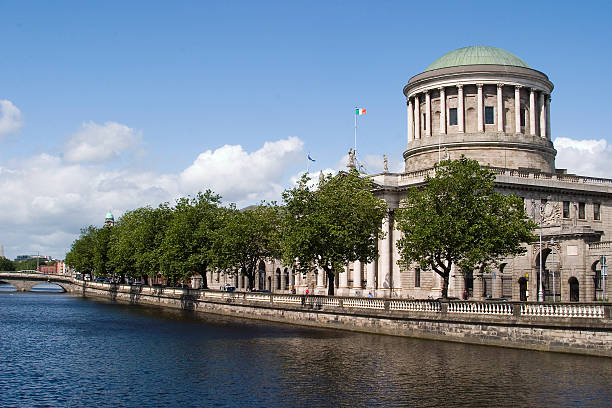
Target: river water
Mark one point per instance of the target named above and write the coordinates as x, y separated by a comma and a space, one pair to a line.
63, 350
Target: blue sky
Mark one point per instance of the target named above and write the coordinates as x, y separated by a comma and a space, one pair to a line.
114, 105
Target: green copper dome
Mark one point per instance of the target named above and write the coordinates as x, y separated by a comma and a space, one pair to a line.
477, 55
109, 216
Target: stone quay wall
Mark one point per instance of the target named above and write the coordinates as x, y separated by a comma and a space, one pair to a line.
577, 328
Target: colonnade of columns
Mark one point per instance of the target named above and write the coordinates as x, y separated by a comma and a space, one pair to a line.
414, 112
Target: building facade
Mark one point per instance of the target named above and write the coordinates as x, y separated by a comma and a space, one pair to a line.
488, 105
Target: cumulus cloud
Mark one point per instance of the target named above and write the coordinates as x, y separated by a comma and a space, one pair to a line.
240, 176
584, 157
97, 143
10, 118
46, 199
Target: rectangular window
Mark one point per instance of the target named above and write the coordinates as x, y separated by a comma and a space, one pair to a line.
452, 116
489, 115
581, 214
566, 209
417, 278
596, 211
424, 121
523, 117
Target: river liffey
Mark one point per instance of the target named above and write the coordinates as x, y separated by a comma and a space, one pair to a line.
63, 350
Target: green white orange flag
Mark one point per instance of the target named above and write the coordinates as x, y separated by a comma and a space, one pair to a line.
359, 111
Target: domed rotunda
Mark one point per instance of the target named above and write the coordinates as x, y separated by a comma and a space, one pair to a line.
484, 103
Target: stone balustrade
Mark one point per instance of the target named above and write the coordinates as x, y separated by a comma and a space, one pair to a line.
600, 245
572, 310
482, 308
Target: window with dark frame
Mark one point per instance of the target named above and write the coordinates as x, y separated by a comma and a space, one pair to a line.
566, 209
452, 116
523, 111
581, 213
417, 278
596, 211
424, 121
489, 115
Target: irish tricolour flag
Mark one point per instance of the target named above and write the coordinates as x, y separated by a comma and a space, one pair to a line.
359, 111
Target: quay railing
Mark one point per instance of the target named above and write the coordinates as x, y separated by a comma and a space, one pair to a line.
595, 310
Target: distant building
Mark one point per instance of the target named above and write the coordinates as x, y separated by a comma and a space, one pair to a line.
109, 220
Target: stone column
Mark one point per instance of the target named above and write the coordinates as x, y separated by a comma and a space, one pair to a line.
427, 114
496, 290
320, 288
517, 109
532, 112
384, 262
291, 279
343, 282
283, 280
548, 132
478, 285
500, 108
371, 277
460, 108
442, 111
356, 278
410, 121
480, 109
542, 116
417, 117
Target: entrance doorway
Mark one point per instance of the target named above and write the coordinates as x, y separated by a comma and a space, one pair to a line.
574, 289
523, 289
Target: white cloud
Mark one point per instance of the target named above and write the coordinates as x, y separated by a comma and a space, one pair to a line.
10, 118
240, 176
45, 199
97, 143
584, 157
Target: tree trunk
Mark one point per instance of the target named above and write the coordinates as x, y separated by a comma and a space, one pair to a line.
445, 286
331, 281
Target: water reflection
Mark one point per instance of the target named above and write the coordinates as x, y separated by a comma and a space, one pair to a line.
64, 350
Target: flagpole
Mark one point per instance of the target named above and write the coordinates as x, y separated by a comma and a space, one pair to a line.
355, 130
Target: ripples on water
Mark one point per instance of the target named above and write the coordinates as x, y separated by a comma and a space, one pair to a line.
61, 350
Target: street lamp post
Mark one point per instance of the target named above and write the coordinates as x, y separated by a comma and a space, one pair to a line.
552, 267
540, 291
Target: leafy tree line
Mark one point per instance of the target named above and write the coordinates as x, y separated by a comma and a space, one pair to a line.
456, 218
323, 226
31, 264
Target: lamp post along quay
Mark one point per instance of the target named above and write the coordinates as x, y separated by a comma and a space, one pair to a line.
540, 291
552, 267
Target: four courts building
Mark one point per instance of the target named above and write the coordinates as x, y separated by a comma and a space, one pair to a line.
486, 104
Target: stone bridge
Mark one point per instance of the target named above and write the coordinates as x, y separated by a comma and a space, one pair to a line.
24, 281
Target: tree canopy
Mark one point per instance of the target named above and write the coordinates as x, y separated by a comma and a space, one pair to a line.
329, 225
6, 264
247, 237
457, 218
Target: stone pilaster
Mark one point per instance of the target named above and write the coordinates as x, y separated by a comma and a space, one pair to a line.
427, 113
356, 278
320, 288
532, 112
548, 132
460, 110
410, 112
384, 262
371, 277
542, 116
517, 108
500, 108
480, 109
417, 117
478, 286
343, 289
442, 111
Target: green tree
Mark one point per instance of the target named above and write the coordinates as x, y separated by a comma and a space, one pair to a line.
135, 247
81, 254
6, 264
187, 242
458, 219
101, 247
338, 222
247, 237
